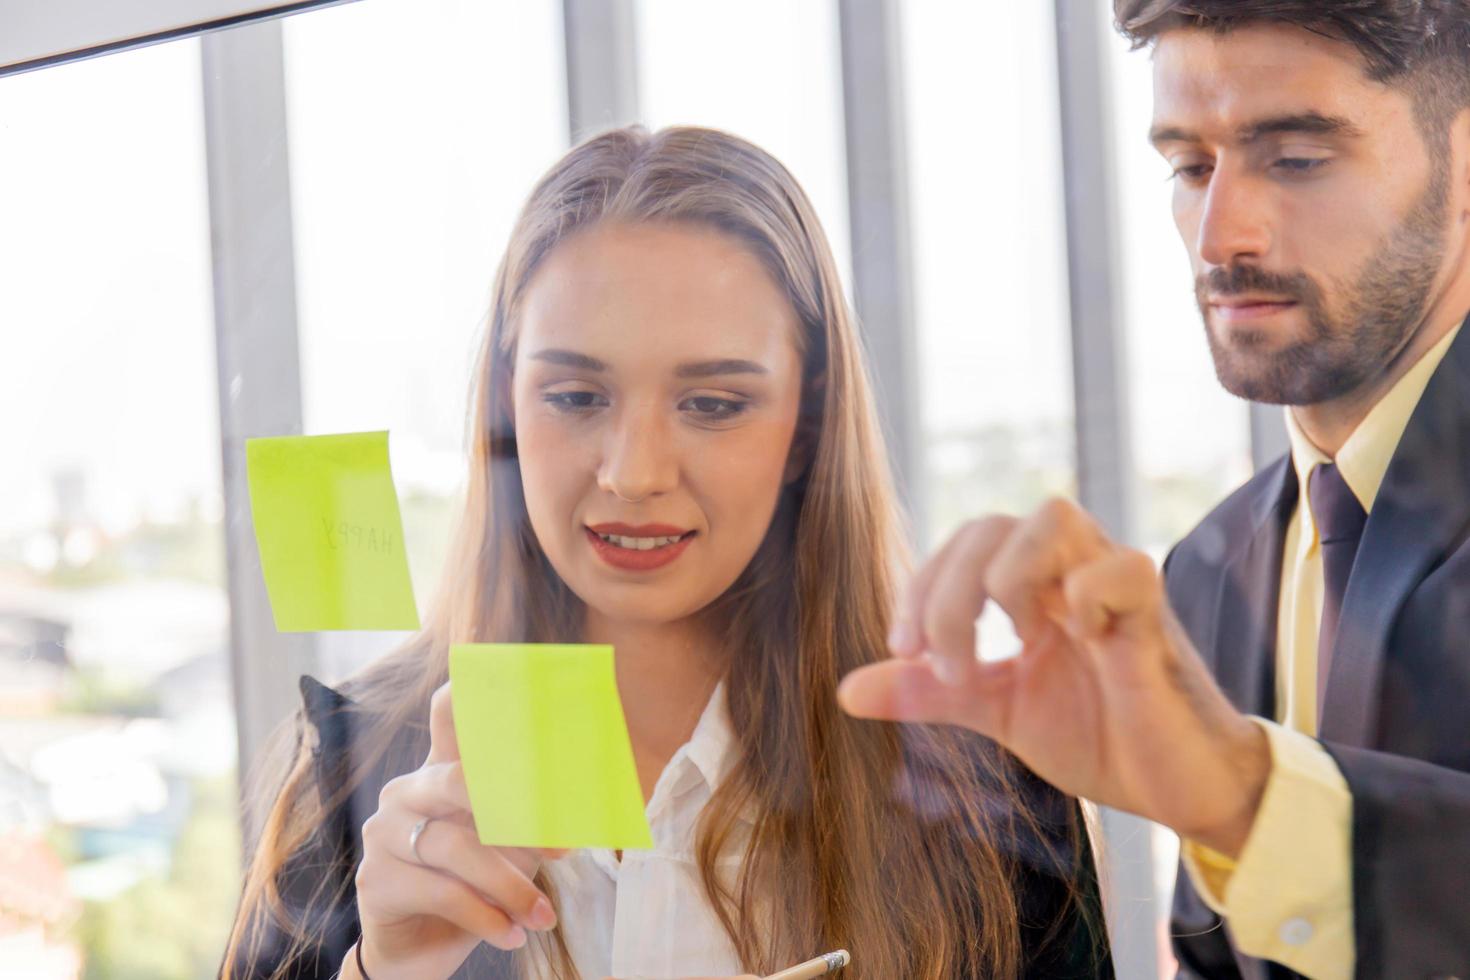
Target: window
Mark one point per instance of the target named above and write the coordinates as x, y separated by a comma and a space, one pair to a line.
792, 107
989, 260
118, 826
416, 131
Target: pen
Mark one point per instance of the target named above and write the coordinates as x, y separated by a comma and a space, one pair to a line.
819, 967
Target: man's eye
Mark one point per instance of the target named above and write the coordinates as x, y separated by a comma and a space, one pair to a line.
1193, 173
709, 407
574, 401
1299, 165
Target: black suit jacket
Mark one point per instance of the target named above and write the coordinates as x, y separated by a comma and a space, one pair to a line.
1062, 932
1396, 716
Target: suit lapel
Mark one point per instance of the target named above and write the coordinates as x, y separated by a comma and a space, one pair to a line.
1422, 508
1244, 648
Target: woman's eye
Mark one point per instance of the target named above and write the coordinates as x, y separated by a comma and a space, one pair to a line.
708, 407
574, 401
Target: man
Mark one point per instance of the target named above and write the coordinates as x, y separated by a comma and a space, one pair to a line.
1321, 151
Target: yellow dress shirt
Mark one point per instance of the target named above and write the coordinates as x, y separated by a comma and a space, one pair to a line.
1289, 896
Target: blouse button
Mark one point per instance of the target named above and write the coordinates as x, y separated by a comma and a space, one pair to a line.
1296, 932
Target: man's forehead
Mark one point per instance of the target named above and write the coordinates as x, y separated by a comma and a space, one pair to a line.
1221, 82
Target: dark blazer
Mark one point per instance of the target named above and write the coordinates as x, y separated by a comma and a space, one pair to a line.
1061, 938
1396, 716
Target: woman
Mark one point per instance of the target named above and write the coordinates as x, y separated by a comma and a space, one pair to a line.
674, 452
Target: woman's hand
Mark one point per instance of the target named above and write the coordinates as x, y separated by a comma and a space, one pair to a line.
423, 913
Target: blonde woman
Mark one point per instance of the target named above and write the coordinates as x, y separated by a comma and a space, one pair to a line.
673, 452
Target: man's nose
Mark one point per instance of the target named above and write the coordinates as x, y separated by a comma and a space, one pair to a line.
1235, 225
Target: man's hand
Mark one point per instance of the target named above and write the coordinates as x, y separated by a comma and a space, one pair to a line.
1107, 699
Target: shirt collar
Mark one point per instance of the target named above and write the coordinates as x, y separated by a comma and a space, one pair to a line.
1364, 458
705, 759
711, 747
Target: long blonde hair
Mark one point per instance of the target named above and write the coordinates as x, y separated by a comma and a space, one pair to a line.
899, 844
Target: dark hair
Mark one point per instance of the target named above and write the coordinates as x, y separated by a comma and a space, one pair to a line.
1421, 45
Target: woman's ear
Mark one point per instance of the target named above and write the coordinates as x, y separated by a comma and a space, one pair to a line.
802, 449
503, 417
808, 431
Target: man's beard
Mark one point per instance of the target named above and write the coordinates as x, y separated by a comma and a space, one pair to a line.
1381, 310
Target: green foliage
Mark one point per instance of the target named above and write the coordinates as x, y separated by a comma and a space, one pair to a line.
92, 691
173, 928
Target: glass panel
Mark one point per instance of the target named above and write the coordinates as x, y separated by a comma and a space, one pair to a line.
119, 848
791, 106
989, 260
405, 182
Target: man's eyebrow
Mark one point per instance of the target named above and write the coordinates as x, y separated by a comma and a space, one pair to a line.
568, 358
710, 369
1312, 123
1171, 134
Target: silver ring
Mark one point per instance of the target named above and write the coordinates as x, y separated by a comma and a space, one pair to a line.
413, 839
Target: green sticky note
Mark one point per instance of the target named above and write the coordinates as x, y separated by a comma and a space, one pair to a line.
330, 535
545, 747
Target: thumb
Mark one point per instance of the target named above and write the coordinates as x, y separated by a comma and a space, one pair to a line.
910, 691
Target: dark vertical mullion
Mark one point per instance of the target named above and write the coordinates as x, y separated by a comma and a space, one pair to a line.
256, 347
880, 225
1099, 380
602, 65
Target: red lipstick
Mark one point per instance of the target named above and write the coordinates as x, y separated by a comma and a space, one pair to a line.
638, 559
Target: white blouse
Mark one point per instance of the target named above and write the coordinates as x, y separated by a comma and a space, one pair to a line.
647, 916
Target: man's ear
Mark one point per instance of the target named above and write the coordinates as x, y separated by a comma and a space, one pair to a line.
1460, 160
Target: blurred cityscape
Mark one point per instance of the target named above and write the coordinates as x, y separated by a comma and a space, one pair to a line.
118, 827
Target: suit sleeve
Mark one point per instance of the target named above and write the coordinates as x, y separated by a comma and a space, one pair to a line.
1288, 898
1411, 860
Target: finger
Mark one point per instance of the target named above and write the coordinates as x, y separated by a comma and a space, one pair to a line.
910, 691
443, 743
1025, 575
398, 890
527, 859
906, 639
437, 790
957, 595
455, 850
1120, 590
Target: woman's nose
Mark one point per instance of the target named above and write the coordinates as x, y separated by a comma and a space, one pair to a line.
638, 460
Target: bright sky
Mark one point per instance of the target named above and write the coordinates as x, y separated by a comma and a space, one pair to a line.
416, 130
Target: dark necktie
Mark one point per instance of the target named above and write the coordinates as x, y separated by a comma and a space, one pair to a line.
1340, 519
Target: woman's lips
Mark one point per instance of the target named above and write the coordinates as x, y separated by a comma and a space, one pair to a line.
654, 545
